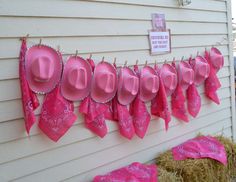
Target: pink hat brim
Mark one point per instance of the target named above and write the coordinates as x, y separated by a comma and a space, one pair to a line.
34, 52
199, 79
183, 65
76, 95
144, 95
98, 95
215, 54
124, 98
169, 68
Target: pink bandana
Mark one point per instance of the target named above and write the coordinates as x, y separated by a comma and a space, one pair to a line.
94, 113
212, 83
109, 114
159, 105
56, 115
141, 117
29, 99
193, 97
135, 172
125, 120
194, 100
177, 103
94, 116
201, 147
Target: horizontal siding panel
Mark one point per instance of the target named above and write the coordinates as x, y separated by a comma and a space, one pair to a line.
226, 132
109, 28
141, 156
40, 143
95, 10
118, 152
83, 27
196, 4
7, 114
103, 44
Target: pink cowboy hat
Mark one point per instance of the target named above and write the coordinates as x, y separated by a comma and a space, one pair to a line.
201, 70
168, 75
128, 86
76, 79
149, 83
185, 74
104, 82
43, 67
216, 58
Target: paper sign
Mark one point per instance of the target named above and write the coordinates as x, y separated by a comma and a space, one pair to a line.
158, 22
160, 42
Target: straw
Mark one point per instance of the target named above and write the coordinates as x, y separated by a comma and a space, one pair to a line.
202, 170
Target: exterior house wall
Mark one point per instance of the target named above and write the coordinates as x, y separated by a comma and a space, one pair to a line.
112, 28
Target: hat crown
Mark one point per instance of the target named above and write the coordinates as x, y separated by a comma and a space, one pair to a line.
202, 67
42, 68
131, 85
77, 78
204, 70
151, 83
169, 79
106, 81
187, 75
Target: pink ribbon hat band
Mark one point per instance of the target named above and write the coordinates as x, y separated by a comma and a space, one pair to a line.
43, 68
76, 79
104, 83
168, 75
149, 83
186, 74
128, 86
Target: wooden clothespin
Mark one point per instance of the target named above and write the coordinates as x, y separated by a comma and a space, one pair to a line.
103, 59
114, 62
76, 53
26, 37
58, 48
125, 63
136, 62
90, 56
165, 61
173, 61
197, 53
40, 42
146, 62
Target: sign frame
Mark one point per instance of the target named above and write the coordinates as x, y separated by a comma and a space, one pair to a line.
163, 52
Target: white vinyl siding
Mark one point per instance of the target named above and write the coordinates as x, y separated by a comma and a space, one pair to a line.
112, 28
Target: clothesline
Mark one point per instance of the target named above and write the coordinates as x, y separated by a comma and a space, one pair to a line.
126, 62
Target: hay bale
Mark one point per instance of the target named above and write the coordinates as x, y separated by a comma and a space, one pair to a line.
201, 170
165, 176
230, 148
